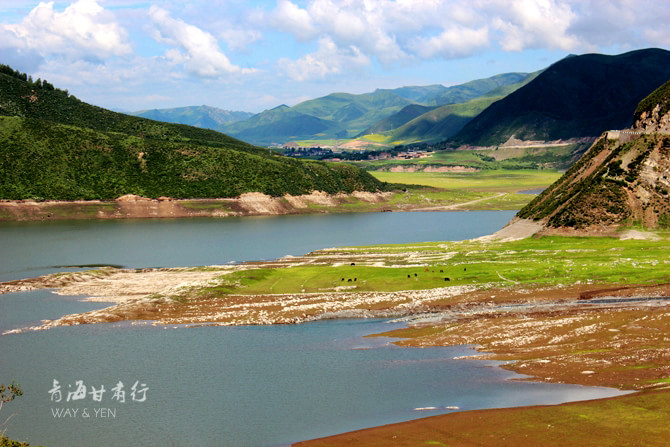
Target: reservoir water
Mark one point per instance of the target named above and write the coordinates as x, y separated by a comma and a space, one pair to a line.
30, 249
228, 386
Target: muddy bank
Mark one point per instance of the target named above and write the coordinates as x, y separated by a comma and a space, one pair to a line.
621, 344
136, 207
430, 168
631, 420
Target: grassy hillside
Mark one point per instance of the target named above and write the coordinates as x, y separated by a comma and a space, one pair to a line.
475, 89
579, 96
53, 146
43, 101
441, 123
354, 112
283, 124
403, 116
420, 94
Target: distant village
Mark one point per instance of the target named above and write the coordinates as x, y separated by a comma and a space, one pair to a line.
327, 153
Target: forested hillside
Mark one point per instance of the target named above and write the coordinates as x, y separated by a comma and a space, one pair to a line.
54, 146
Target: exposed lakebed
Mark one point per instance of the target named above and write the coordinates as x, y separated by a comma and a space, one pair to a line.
243, 386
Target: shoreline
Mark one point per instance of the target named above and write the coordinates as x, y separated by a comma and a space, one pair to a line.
603, 333
250, 204
137, 207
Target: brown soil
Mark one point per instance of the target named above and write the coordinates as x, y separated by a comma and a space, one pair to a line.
132, 206
639, 419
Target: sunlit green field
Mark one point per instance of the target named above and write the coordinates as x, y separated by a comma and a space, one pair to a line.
534, 261
509, 181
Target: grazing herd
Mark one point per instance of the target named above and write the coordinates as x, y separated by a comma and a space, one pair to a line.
409, 276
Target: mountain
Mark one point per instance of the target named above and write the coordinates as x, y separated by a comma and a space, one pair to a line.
442, 122
54, 146
419, 94
623, 178
345, 115
432, 124
403, 116
198, 116
477, 88
579, 96
354, 112
283, 124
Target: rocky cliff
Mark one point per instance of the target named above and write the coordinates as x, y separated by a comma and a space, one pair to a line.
623, 179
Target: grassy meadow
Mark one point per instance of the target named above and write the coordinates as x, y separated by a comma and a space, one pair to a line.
543, 261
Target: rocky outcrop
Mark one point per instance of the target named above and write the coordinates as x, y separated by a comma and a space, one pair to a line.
623, 179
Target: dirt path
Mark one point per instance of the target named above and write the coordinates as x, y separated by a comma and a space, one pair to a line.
458, 206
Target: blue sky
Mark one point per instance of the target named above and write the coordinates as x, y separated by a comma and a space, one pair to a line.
254, 55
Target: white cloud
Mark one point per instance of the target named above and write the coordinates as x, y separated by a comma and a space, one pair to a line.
83, 30
327, 60
453, 43
239, 39
290, 18
347, 23
622, 23
534, 24
197, 50
393, 31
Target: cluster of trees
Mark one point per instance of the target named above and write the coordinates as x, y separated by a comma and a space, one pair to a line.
6, 69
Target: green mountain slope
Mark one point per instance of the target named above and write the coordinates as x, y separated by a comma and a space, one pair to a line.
282, 124
580, 96
622, 178
198, 116
475, 89
440, 123
354, 112
423, 94
30, 100
53, 146
344, 115
405, 115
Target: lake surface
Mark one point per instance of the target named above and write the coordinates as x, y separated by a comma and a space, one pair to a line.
230, 386
30, 249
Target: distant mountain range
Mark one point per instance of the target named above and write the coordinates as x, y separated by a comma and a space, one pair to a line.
579, 96
199, 116
338, 115
435, 124
576, 97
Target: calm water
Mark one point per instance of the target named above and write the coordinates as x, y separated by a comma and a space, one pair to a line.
245, 386
218, 386
35, 248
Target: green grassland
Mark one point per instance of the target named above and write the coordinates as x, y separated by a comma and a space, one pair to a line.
510, 158
544, 261
485, 181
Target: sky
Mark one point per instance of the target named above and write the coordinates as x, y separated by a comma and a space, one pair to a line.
255, 55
